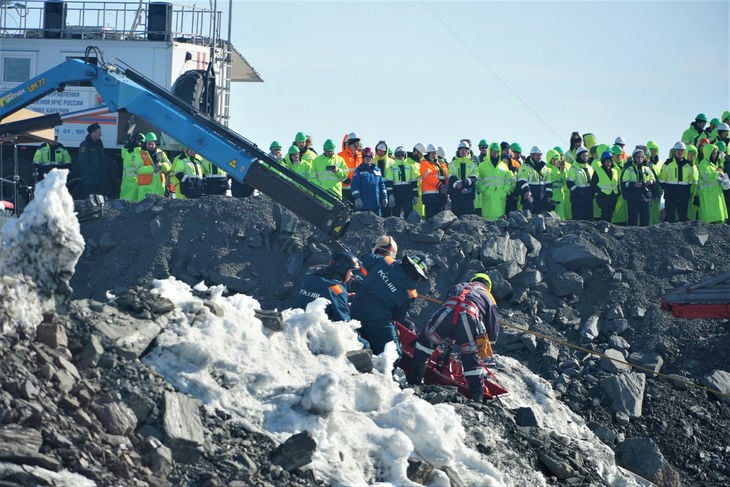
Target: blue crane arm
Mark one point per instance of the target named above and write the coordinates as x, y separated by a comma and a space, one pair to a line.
123, 88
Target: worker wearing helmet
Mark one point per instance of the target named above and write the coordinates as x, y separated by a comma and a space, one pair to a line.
130, 154
293, 161
152, 167
352, 156
639, 187
305, 153
462, 180
275, 151
382, 254
468, 316
695, 131
187, 174
368, 186
579, 183
496, 182
533, 185
620, 212
558, 174
404, 178
386, 294
677, 177
383, 161
329, 170
330, 283
434, 183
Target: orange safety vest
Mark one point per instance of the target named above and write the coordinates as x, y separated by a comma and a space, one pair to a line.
352, 161
432, 174
145, 179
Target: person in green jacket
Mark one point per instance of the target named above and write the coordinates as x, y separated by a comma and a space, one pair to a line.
50, 155
712, 200
655, 163
130, 155
494, 182
404, 192
187, 174
695, 131
558, 175
329, 170
693, 209
293, 161
621, 211
152, 167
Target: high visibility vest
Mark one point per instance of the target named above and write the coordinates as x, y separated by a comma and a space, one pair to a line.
145, 179
608, 183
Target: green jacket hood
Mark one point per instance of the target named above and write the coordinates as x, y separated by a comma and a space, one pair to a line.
707, 150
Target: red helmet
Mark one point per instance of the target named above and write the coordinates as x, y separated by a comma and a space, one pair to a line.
367, 152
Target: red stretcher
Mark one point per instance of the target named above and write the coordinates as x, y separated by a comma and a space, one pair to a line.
442, 370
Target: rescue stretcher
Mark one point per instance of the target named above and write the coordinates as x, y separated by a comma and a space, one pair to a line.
444, 369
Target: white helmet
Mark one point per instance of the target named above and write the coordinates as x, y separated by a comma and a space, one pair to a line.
679, 146
441, 152
580, 149
419, 147
353, 136
619, 141
535, 150
723, 126
431, 148
464, 145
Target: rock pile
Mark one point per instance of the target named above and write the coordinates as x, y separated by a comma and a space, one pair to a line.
86, 404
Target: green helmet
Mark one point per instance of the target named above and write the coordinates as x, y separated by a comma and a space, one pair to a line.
329, 145
300, 137
559, 149
721, 146
494, 146
652, 145
483, 143
293, 150
515, 147
616, 149
139, 136
701, 117
483, 278
275, 145
150, 137
715, 122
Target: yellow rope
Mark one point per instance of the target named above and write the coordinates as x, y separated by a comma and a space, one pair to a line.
598, 354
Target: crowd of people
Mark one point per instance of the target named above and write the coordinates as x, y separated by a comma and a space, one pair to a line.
588, 181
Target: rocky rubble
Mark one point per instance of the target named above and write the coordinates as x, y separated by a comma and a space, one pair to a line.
78, 399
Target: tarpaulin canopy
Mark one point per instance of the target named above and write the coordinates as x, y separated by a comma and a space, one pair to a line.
43, 135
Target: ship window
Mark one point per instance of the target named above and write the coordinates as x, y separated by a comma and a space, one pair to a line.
16, 69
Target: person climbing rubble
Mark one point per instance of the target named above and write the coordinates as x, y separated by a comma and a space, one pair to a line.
469, 317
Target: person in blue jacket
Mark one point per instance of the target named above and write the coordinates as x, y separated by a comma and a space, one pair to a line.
382, 253
329, 283
368, 186
386, 295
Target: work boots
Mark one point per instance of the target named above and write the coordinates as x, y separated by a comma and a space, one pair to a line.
476, 394
415, 376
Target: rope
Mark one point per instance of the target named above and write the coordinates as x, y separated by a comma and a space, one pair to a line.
598, 354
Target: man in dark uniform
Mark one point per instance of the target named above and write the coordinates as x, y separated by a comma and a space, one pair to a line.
469, 317
91, 163
385, 296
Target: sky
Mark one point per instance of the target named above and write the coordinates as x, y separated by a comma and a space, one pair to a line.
282, 383
519, 71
